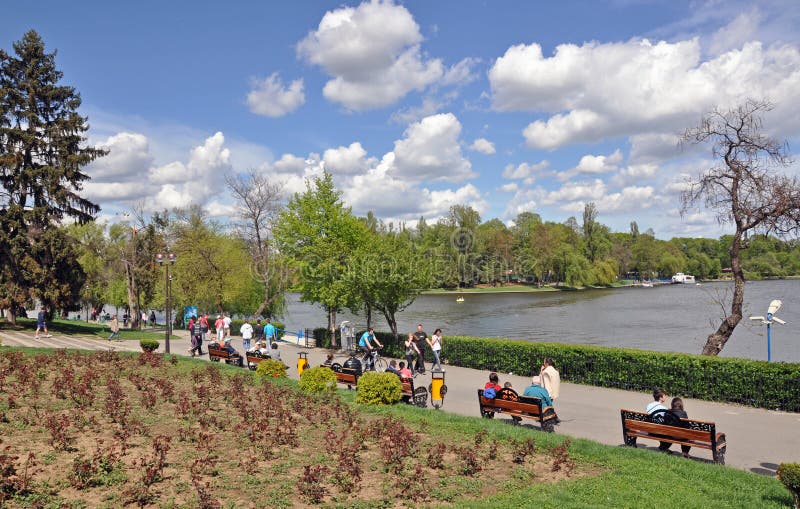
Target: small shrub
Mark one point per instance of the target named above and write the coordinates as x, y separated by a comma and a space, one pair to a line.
318, 380
149, 345
789, 474
379, 389
271, 368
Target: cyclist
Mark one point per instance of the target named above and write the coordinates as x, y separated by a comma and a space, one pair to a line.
365, 343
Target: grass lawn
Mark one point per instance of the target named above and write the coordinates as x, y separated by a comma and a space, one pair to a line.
231, 439
626, 477
78, 327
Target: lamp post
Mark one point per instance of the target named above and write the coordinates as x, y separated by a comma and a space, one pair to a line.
166, 260
773, 308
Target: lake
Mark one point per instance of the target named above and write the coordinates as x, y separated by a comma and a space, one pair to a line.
675, 318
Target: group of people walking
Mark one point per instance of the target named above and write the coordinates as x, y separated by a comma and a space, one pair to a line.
415, 346
199, 328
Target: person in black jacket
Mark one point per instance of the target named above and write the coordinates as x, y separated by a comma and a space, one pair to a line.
677, 409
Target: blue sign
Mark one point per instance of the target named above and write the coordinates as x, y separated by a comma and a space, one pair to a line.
188, 312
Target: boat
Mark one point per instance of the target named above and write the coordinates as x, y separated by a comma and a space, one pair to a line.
680, 277
460, 299
647, 284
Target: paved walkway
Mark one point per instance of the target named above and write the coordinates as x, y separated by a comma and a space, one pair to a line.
758, 439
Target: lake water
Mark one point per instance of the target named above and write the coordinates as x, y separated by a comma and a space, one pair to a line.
675, 318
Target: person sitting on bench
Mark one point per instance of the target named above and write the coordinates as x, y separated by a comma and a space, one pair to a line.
226, 346
392, 368
535, 390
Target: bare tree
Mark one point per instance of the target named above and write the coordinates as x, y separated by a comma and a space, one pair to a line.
258, 202
743, 189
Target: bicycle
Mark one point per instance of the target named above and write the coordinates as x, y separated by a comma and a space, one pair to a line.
377, 363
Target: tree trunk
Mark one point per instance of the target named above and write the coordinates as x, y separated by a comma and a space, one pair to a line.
716, 341
369, 316
133, 306
332, 327
392, 321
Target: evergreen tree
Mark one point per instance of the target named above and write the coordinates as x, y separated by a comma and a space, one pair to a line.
42, 153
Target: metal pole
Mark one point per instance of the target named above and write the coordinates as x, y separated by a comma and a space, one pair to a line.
167, 313
769, 338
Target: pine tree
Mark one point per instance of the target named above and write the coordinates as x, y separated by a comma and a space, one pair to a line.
42, 153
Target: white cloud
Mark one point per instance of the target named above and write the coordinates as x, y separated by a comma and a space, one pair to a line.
629, 198
653, 147
173, 172
128, 157
483, 146
368, 192
524, 200
105, 192
736, 33
511, 187
635, 172
524, 170
210, 159
623, 88
217, 209
347, 160
577, 125
574, 191
372, 52
431, 151
411, 114
461, 73
599, 164
272, 99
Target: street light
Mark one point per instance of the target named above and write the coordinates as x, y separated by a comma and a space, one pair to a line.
774, 306
169, 258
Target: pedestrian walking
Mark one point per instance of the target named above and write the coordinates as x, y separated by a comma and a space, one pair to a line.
41, 323
435, 342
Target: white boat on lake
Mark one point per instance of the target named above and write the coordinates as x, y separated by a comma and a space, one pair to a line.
680, 277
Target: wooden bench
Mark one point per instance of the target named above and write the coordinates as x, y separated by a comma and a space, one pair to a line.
216, 354
347, 376
414, 396
254, 358
507, 401
689, 432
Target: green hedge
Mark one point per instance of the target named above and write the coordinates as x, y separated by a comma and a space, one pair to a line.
761, 384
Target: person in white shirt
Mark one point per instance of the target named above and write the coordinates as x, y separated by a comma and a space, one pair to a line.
659, 396
551, 380
247, 334
226, 325
436, 345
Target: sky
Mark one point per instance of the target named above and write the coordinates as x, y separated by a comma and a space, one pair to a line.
416, 106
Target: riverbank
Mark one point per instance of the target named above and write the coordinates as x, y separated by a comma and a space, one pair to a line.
522, 288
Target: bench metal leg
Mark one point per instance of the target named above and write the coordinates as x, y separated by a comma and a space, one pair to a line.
719, 456
548, 427
629, 441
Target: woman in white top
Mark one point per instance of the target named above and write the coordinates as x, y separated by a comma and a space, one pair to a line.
551, 379
436, 345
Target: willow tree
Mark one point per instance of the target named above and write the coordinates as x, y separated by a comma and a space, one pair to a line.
42, 154
744, 189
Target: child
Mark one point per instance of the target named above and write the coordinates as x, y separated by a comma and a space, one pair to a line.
507, 385
404, 371
328, 360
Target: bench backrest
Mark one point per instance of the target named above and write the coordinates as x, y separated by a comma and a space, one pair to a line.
408, 385
701, 431
508, 399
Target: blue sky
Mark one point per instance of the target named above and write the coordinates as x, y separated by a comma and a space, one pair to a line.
417, 106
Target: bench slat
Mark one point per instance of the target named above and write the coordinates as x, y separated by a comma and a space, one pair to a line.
663, 429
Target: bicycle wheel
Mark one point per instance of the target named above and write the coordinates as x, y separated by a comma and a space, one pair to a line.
380, 365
